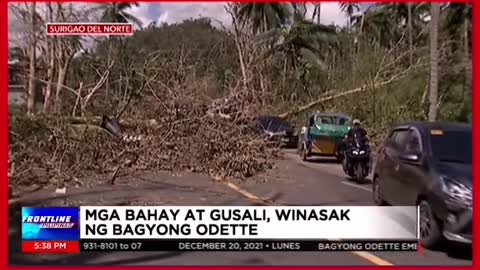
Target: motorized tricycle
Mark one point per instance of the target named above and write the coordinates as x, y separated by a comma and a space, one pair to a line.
323, 135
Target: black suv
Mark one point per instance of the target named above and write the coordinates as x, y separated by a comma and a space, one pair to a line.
429, 165
276, 129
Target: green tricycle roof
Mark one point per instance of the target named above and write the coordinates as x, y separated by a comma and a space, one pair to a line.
330, 114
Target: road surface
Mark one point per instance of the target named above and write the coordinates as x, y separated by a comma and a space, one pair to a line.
292, 182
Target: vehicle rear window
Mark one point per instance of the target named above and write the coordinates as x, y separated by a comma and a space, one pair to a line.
273, 123
332, 120
320, 119
342, 121
452, 146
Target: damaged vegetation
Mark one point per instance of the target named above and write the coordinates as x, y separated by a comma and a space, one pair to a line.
185, 94
49, 151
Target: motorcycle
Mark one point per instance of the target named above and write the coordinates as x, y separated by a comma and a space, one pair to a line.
358, 159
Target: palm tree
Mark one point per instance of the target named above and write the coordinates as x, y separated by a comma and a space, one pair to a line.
349, 8
408, 14
317, 12
32, 59
375, 25
299, 9
115, 12
261, 17
410, 33
303, 43
459, 24
434, 25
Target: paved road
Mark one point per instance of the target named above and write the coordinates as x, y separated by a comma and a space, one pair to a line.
335, 189
293, 182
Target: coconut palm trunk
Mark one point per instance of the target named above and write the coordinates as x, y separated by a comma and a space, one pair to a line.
410, 33
115, 12
316, 12
32, 48
319, 12
466, 56
434, 25
50, 51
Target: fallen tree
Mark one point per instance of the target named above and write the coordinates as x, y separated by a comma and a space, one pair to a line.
183, 134
333, 94
384, 70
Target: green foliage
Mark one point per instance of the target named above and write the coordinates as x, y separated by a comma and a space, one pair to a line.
302, 60
261, 17
349, 7
116, 12
163, 69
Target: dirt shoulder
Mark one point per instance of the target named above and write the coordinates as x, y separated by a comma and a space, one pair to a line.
141, 188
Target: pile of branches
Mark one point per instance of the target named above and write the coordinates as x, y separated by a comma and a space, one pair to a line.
185, 134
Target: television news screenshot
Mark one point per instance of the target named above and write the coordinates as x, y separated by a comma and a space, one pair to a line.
240, 134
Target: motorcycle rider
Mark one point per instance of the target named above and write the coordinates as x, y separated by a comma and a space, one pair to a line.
355, 131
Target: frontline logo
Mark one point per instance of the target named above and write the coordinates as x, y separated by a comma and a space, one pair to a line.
50, 222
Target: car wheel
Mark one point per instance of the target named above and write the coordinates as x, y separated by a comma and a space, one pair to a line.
430, 233
377, 193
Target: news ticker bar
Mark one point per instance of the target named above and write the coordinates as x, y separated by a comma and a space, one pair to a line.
182, 245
